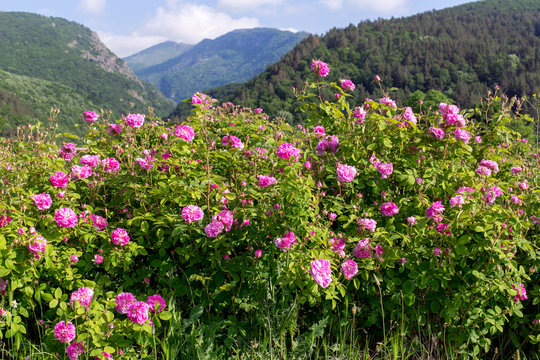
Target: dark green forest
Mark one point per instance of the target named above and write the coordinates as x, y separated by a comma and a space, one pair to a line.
461, 52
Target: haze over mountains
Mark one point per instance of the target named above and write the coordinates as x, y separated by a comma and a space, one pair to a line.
179, 70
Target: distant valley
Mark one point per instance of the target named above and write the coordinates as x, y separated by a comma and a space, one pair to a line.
179, 70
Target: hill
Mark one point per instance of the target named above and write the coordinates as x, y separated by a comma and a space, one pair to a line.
461, 51
47, 61
155, 55
234, 57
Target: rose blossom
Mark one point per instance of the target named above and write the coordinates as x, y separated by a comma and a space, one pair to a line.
64, 331
521, 292
110, 165
408, 114
389, 209
59, 179
38, 246
286, 241
90, 160
65, 217
320, 68
137, 312
437, 133
123, 301
368, 224
192, 213
74, 350
387, 101
349, 268
265, 181
90, 116
361, 250
360, 114
345, 173
434, 211
347, 84
120, 237
462, 134
213, 229
83, 295
318, 130
226, 218
287, 150
321, 271
185, 132
81, 172
153, 301
457, 201
43, 201
135, 120
385, 169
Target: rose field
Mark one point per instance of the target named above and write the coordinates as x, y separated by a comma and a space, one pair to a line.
368, 231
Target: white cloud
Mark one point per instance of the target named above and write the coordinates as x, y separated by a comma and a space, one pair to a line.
180, 22
190, 23
93, 6
246, 4
125, 45
293, 30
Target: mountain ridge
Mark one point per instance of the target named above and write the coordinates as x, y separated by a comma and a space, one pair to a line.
58, 51
209, 62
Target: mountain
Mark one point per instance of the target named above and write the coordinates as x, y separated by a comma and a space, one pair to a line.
48, 61
461, 51
156, 55
234, 57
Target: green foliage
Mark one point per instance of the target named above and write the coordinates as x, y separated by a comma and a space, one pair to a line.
224, 298
53, 62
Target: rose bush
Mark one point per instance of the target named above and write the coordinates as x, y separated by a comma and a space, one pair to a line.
387, 212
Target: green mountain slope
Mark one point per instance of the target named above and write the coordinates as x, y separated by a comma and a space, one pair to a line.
65, 64
156, 54
461, 51
234, 57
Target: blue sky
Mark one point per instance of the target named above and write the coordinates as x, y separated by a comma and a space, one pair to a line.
128, 26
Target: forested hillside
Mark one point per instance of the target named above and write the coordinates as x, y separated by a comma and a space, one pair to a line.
234, 57
461, 51
47, 61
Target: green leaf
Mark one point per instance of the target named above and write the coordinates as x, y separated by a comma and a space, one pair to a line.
53, 303
408, 286
144, 227
196, 312
58, 293
165, 315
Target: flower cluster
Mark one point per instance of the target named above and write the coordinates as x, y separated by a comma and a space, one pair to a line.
320, 68
286, 241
